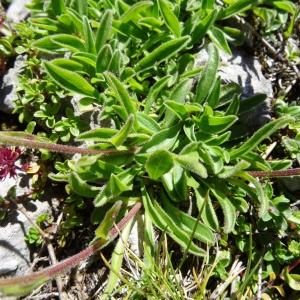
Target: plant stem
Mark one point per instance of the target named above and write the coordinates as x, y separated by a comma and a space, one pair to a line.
65, 265
277, 173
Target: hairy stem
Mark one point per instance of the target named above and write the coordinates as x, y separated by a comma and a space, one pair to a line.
65, 265
277, 173
31, 141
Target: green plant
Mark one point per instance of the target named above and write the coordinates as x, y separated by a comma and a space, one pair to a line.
176, 144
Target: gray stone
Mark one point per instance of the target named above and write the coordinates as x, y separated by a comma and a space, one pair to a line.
9, 85
246, 71
17, 11
14, 252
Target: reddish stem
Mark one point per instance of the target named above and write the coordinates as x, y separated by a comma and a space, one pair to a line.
277, 173
74, 260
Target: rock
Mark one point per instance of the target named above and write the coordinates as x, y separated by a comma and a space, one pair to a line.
17, 11
14, 252
9, 85
245, 71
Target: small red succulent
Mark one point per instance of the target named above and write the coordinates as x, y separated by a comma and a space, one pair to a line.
8, 158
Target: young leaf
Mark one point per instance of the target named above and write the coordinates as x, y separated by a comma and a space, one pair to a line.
178, 95
228, 210
205, 207
58, 42
191, 163
98, 135
89, 36
154, 92
82, 188
120, 137
218, 37
214, 96
58, 6
203, 26
163, 221
161, 53
261, 195
208, 123
259, 136
108, 221
249, 103
121, 93
104, 30
237, 7
208, 76
103, 59
164, 139
67, 64
115, 63
189, 224
70, 80
158, 163
134, 11
169, 17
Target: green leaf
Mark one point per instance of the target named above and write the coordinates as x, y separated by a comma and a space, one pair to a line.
98, 135
208, 76
154, 92
103, 59
115, 63
81, 7
88, 36
158, 163
104, 29
133, 12
189, 224
147, 124
192, 163
208, 123
205, 207
165, 139
120, 137
169, 17
237, 7
260, 192
288, 6
203, 26
259, 136
59, 42
117, 186
108, 221
121, 93
67, 64
116, 262
58, 6
163, 221
218, 38
250, 103
182, 111
214, 96
293, 280
70, 81
228, 210
81, 188
178, 95
161, 53
229, 171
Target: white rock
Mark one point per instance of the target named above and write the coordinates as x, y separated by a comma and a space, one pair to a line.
246, 71
9, 85
17, 11
14, 252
